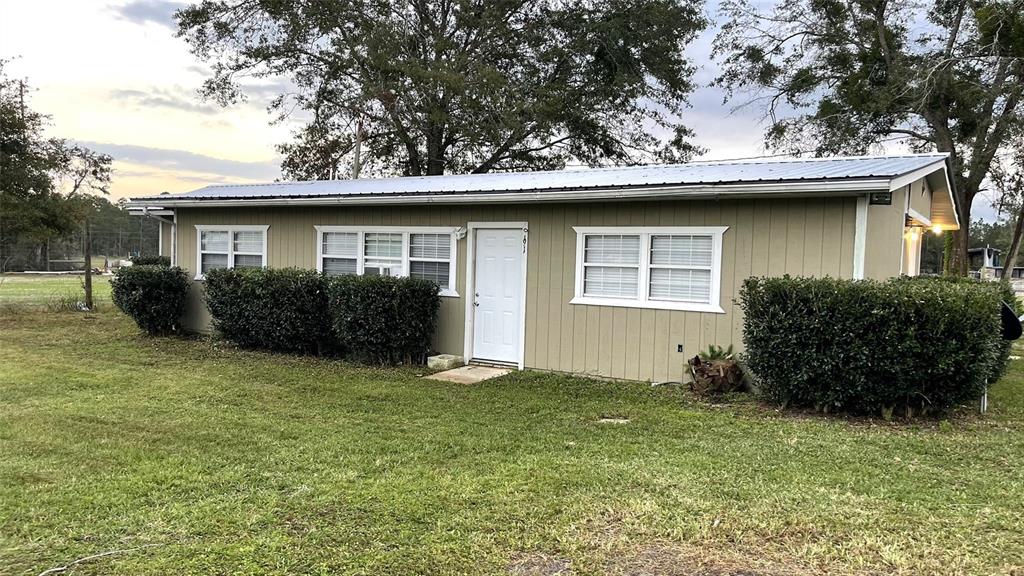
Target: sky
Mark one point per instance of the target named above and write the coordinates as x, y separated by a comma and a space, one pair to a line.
112, 75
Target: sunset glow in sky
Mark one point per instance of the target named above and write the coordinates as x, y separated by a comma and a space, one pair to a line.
113, 76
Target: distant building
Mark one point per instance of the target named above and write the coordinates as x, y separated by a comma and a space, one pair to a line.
987, 262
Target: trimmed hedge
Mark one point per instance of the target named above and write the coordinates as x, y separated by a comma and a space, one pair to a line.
154, 296
151, 261
373, 319
281, 309
384, 320
913, 345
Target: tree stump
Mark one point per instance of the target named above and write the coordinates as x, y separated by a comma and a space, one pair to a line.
715, 377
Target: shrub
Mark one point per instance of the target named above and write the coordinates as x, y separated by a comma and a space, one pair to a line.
141, 260
281, 309
154, 296
865, 346
384, 320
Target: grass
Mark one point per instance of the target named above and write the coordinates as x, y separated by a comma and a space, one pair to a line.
40, 289
198, 458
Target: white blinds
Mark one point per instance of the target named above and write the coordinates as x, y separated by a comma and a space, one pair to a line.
611, 265
612, 249
430, 246
214, 241
339, 266
680, 284
681, 250
249, 241
382, 245
430, 258
340, 244
610, 282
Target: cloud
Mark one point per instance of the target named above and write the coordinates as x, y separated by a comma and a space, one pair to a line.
220, 169
175, 98
159, 12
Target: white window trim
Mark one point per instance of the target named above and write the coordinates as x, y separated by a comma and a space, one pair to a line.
644, 301
405, 231
230, 229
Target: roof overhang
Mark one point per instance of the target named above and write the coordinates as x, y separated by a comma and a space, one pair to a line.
148, 210
944, 214
935, 172
779, 189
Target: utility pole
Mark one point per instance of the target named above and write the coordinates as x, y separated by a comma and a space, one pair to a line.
358, 148
88, 265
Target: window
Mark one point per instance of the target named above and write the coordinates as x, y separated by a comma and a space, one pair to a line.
419, 252
383, 254
430, 257
230, 247
673, 268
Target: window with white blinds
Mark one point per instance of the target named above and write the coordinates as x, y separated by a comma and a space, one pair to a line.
230, 247
430, 257
382, 251
675, 268
339, 253
611, 265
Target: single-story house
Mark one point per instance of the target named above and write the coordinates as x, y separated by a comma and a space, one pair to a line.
619, 272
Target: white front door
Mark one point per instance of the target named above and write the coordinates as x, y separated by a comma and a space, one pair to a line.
498, 294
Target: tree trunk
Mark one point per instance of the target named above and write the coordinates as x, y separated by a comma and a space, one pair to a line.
960, 260
1011, 256
47, 255
88, 265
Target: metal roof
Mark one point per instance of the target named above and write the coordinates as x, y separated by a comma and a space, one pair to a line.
703, 174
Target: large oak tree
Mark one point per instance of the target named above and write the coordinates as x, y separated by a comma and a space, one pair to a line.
839, 76
459, 85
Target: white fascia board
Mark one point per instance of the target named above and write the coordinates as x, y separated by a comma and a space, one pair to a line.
915, 175
847, 187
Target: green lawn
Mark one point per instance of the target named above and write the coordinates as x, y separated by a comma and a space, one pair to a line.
197, 458
39, 289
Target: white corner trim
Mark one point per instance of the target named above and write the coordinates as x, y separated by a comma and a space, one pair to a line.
472, 227
230, 229
174, 239
643, 276
860, 237
405, 231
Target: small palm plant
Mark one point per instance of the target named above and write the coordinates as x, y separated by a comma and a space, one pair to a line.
717, 353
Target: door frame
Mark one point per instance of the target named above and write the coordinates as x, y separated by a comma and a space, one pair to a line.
472, 228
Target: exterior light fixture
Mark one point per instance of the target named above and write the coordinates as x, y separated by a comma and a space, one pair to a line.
937, 230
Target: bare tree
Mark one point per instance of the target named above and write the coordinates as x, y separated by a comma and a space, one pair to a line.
85, 173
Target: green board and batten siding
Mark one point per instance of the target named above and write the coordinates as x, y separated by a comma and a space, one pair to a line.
812, 236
